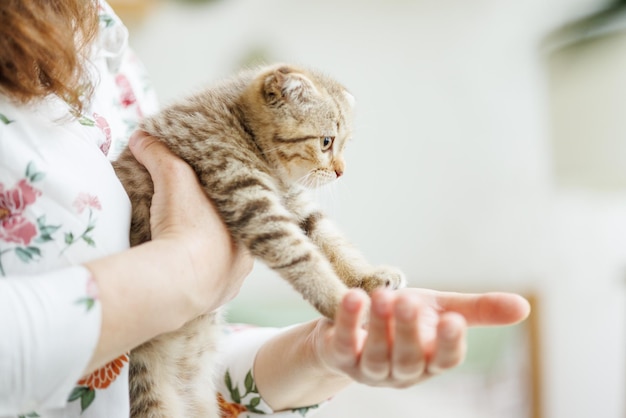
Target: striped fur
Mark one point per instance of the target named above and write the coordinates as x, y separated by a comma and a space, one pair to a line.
256, 142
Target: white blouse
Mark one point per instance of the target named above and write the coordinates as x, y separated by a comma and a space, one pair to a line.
62, 205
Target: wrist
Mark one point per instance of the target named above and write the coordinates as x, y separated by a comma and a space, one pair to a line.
317, 350
290, 372
183, 280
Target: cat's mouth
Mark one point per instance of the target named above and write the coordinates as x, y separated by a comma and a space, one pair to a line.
317, 178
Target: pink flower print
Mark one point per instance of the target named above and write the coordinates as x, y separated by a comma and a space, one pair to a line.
92, 288
91, 294
85, 200
14, 227
127, 95
103, 125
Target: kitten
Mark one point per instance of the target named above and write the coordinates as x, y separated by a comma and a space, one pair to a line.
256, 141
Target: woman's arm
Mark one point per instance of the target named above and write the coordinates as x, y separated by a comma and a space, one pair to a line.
412, 334
104, 308
191, 266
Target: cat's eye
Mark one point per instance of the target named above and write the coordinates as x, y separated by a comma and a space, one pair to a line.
327, 142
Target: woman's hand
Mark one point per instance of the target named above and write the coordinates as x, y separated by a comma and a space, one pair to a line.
412, 333
191, 265
182, 214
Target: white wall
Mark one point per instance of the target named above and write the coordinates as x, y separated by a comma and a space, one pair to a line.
450, 174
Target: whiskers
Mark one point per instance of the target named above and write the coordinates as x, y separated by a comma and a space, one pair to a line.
322, 188
315, 179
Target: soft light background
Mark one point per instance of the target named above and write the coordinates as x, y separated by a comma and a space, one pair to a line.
480, 162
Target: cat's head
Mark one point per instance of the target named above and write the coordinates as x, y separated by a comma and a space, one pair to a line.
301, 121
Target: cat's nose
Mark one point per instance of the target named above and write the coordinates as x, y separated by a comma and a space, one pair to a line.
338, 166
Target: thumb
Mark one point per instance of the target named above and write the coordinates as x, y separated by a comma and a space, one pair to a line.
155, 156
146, 149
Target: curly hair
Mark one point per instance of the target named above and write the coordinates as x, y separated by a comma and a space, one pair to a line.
43, 49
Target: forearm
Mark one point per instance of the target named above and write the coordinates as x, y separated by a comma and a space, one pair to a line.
139, 298
190, 267
289, 374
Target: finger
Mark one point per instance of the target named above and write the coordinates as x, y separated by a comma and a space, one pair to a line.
451, 345
407, 356
375, 359
347, 338
487, 308
145, 148
163, 166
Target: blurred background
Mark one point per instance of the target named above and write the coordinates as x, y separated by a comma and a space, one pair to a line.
489, 154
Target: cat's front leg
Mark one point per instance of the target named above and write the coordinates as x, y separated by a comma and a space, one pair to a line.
252, 207
347, 261
382, 276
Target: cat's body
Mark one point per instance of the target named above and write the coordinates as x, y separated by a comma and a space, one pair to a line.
256, 142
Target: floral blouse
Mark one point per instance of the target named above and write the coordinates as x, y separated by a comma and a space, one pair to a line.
62, 205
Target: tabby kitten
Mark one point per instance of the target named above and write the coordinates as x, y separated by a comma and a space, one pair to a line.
256, 142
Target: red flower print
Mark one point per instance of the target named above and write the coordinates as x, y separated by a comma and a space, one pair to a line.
85, 200
103, 125
103, 377
14, 227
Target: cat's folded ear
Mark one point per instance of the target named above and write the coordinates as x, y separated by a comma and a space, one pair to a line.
286, 84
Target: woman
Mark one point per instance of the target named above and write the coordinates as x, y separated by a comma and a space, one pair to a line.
74, 299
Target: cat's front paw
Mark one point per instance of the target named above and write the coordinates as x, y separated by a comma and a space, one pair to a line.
383, 276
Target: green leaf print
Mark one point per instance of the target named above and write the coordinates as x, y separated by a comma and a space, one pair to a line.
71, 239
29, 415
5, 120
85, 395
235, 395
45, 231
228, 381
254, 402
89, 241
23, 255
250, 389
87, 399
85, 121
249, 382
32, 174
27, 254
87, 301
305, 410
77, 393
26, 195
107, 20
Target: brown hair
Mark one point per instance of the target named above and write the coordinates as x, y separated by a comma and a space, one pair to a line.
43, 48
